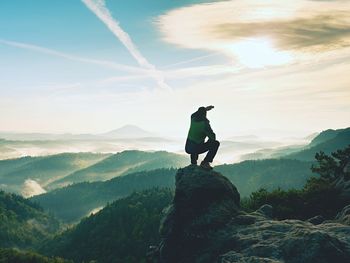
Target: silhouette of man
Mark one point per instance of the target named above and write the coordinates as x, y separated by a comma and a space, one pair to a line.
195, 143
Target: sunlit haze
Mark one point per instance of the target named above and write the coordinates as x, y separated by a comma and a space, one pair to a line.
270, 68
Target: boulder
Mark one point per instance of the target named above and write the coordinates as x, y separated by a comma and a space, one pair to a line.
204, 202
290, 241
205, 224
200, 188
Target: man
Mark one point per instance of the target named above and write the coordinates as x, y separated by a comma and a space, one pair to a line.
195, 143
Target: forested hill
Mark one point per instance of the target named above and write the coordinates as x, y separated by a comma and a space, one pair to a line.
121, 232
73, 202
328, 141
251, 175
124, 163
33, 175
43, 169
23, 224
327, 135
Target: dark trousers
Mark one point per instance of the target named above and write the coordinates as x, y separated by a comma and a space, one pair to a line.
194, 149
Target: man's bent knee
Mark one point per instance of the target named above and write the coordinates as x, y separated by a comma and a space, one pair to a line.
216, 143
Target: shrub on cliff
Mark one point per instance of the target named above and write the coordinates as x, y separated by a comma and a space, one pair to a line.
319, 196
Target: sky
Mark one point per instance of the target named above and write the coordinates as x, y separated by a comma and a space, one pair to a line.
89, 66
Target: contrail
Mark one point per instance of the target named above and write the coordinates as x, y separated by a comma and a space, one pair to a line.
56, 53
99, 8
192, 60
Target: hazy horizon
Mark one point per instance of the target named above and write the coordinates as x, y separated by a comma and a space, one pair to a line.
262, 133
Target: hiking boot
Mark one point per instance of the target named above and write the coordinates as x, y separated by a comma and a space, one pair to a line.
206, 166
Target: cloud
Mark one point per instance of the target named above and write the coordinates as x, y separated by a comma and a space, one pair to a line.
31, 188
320, 32
56, 53
278, 28
99, 8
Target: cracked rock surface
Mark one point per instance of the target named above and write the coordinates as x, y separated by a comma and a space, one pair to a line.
206, 225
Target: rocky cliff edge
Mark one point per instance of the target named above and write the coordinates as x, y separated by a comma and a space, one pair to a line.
206, 225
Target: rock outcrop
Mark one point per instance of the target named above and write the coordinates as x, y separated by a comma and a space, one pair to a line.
206, 225
344, 215
204, 202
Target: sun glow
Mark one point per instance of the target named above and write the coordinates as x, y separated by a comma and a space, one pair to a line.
258, 53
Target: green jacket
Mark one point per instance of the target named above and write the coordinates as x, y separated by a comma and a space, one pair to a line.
200, 129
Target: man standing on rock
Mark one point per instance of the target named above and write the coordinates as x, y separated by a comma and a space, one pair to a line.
195, 143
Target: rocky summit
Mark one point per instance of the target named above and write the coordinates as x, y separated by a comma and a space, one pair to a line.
205, 224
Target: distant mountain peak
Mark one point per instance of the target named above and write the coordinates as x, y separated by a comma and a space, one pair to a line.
129, 127
128, 131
